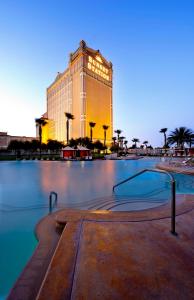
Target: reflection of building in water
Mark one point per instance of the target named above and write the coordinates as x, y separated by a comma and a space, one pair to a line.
63, 178
52, 178
84, 89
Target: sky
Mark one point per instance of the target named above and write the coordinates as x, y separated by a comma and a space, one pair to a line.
150, 43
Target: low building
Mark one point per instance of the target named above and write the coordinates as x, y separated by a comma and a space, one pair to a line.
83, 152
5, 139
79, 153
68, 153
191, 151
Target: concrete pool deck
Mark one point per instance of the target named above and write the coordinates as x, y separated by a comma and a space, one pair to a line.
117, 255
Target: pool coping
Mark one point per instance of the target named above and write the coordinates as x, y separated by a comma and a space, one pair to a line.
29, 281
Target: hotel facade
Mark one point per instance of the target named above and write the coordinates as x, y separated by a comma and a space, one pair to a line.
84, 89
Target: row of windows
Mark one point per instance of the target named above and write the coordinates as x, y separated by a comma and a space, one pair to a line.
58, 101
76, 66
65, 84
61, 97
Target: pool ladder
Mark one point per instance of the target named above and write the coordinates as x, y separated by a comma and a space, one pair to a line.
173, 193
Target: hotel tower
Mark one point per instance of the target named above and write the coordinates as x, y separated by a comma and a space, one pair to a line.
84, 89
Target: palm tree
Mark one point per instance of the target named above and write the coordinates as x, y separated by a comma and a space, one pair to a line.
190, 140
121, 139
125, 143
114, 140
180, 136
92, 125
164, 130
118, 132
41, 122
69, 117
145, 143
135, 140
105, 127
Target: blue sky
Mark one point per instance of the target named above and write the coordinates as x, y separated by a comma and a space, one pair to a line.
150, 43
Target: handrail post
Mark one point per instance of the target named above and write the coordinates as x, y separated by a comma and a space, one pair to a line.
173, 193
50, 201
173, 208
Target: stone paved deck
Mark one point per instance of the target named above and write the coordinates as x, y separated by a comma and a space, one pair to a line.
123, 255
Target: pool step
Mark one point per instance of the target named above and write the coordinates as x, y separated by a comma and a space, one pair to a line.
96, 202
101, 203
127, 204
118, 203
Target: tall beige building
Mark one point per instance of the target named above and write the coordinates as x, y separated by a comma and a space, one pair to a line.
84, 89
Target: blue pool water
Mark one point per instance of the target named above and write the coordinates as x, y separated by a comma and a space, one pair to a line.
25, 187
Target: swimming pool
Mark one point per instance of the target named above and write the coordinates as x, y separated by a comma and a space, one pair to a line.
25, 187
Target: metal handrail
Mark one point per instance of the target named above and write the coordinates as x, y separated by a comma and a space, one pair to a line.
173, 192
52, 193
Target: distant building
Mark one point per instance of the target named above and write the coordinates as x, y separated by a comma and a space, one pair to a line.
5, 139
84, 89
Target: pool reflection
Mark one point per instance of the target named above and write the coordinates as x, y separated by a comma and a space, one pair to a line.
77, 181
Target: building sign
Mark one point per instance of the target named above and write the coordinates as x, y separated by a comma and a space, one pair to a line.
98, 58
96, 66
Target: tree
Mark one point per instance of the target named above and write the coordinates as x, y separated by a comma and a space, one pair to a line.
164, 130
41, 122
105, 127
92, 125
145, 143
73, 143
118, 132
81, 141
15, 145
125, 143
35, 144
54, 145
86, 142
135, 141
98, 146
180, 136
114, 140
114, 148
68, 117
190, 140
121, 139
